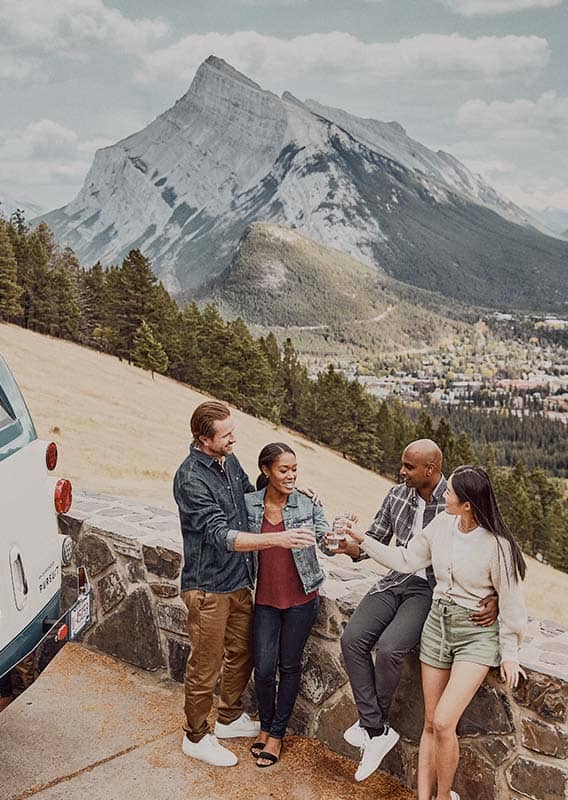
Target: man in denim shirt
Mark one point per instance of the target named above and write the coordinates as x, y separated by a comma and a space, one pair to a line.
217, 580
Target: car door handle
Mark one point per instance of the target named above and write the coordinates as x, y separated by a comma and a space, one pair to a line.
19, 580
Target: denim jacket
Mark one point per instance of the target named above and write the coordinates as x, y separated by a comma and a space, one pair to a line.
298, 512
211, 504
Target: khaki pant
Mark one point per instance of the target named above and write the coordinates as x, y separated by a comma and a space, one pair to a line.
220, 636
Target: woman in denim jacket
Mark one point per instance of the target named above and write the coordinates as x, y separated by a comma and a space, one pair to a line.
287, 600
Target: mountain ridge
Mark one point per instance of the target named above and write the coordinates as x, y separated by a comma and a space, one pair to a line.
229, 153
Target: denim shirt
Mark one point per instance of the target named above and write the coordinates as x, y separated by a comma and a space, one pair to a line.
299, 512
211, 504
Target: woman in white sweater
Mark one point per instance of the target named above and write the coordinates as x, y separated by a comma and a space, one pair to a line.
473, 554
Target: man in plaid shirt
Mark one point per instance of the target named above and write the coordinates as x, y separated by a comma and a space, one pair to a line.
389, 619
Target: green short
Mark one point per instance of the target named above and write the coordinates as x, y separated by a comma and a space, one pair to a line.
449, 635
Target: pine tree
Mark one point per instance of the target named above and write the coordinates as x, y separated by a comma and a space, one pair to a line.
39, 299
297, 405
384, 426
94, 297
10, 293
248, 371
424, 426
188, 365
164, 317
148, 352
69, 317
130, 301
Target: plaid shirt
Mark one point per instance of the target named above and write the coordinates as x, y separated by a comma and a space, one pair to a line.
396, 518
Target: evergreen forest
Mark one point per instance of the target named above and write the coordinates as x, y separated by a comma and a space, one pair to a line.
124, 311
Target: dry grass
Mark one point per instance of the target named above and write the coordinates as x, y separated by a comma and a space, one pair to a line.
121, 432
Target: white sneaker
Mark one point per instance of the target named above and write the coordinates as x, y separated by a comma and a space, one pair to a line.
374, 749
354, 735
243, 726
454, 796
209, 750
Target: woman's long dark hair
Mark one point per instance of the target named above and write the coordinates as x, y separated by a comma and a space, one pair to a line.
267, 457
472, 485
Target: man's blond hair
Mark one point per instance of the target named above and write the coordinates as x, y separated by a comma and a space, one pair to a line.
204, 417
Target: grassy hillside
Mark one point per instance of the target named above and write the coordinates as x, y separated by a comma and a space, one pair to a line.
121, 432
333, 304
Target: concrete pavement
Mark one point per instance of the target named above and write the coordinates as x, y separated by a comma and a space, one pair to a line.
93, 727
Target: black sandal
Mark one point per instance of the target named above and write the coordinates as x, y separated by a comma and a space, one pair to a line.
256, 748
267, 757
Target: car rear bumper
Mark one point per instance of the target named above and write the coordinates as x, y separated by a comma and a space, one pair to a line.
34, 647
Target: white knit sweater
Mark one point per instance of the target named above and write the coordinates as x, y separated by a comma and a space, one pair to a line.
466, 574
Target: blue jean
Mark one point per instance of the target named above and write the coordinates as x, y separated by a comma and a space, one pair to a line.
280, 636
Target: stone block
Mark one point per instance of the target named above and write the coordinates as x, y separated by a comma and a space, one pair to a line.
537, 780
93, 553
303, 721
177, 656
110, 591
135, 570
173, 617
547, 696
330, 622
541, 737
322, 673
394, 763
114, 527
248, 698
488, 713
68, 590
407, 709
162, 562
164, 589
349, 601
70, 525
130, 632
333, 721
476, 775
130, 550
498, 748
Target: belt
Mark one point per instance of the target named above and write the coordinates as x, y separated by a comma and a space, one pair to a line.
444, 605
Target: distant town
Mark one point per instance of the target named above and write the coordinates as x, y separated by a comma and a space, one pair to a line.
523, 375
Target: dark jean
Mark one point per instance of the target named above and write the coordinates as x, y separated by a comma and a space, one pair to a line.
280, 636
390, 623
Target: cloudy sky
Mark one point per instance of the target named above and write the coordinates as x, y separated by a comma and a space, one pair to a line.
486, 80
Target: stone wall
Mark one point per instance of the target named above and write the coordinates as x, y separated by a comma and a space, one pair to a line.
514, 744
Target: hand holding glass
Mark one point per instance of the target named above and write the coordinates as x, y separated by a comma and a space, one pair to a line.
341, 525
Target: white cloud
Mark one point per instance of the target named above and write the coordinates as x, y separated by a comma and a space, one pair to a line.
546, 116
43, 152
70, 26
346, 58
14, 67
534, 197
470, 8
272, 3
519, 146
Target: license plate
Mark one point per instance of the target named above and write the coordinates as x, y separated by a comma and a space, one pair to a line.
79, 615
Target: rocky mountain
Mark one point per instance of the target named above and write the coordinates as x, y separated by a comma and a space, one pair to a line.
229, 153
280, 278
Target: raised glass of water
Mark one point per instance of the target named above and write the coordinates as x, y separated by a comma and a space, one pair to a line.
340, 524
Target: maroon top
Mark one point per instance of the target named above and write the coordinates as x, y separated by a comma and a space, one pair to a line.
278, 583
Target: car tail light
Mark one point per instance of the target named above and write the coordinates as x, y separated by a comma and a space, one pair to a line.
63, 496
51, 456
62, 633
